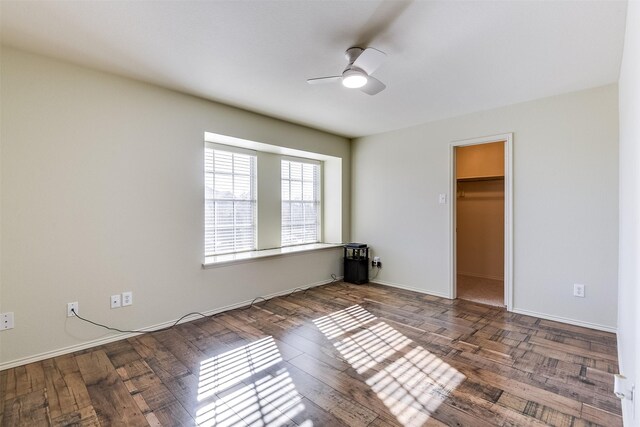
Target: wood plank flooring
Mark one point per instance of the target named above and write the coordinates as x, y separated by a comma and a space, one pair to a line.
339, 354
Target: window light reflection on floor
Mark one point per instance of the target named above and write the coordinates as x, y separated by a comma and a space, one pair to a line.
336, 324
237, 385
228, 369
371, 346
407, 378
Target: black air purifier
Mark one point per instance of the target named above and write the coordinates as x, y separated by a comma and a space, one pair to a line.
356, 263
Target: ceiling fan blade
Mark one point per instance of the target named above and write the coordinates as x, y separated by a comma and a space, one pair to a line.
323, 80
373, 86
369, 60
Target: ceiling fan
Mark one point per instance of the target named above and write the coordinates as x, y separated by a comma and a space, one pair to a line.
362, 63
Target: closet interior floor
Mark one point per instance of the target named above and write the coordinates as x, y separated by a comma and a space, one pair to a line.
481, 290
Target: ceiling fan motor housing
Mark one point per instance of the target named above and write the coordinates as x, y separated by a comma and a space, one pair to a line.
352, 54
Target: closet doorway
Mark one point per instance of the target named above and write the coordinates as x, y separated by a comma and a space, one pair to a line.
481, 220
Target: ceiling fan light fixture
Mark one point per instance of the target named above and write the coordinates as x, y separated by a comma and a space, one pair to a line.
357, 74
354, 79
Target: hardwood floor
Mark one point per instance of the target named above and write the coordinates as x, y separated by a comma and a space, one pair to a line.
340, 354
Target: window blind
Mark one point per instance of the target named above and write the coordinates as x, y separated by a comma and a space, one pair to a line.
300, 202
230, 201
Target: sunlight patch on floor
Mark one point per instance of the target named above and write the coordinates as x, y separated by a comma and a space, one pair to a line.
244, 386
414, 385
367, 348
411, 381
225, 370
336, 324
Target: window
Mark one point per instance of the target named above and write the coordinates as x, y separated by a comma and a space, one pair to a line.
230, 200
263, 199
300, 202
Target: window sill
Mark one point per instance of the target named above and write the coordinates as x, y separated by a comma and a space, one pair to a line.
241, 257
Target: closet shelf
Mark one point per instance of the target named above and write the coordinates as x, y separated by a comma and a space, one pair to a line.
481, 178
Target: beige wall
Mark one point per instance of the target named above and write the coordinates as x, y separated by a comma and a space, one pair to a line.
102, 192
480, 229
565, 207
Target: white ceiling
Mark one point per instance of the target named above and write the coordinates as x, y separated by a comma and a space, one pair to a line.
445, 58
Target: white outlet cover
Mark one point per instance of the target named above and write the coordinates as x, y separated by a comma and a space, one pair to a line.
127, 298
74, 306
115, 301
578, 290
6, 321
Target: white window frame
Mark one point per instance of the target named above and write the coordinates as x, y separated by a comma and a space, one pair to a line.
317, 200
269, 203
253, 199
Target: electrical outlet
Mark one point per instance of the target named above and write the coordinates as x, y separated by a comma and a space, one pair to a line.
578, 290
127, 298
115, 301
6, 321
376, 262
72, 306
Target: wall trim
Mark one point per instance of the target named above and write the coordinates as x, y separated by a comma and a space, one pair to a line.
100, 341
409, 288
544, 316
560, 319
215, 261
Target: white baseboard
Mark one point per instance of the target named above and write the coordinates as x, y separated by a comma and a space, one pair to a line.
589, 325
117, 337
481, 276
409, 288
515, 310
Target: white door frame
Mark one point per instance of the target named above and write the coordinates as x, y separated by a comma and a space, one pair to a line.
508, 211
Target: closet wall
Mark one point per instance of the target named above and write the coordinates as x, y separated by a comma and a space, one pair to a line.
480, 210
